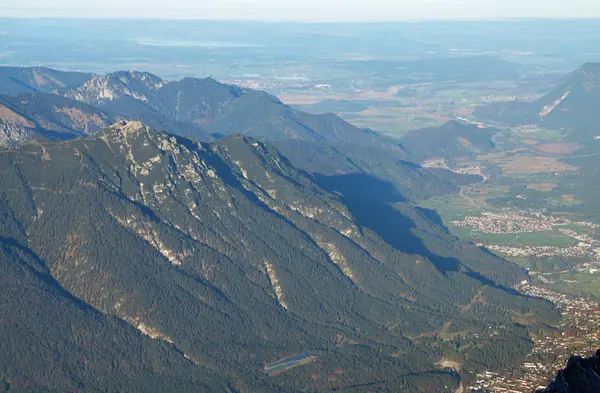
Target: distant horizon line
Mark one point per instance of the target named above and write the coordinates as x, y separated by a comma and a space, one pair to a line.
282, 21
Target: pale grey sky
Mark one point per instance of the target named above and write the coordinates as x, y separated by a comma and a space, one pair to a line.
304, 10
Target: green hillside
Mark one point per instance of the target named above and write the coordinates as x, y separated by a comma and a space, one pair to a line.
229, 258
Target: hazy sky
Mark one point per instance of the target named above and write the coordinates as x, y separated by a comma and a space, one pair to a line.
304, 10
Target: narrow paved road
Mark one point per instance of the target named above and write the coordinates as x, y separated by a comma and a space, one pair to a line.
468, 198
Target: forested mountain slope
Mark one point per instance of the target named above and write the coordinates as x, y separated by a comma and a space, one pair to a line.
229, 258
582, 375
48, 117
448, 141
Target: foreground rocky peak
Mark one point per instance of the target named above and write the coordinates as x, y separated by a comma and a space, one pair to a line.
580, 84
589, 72
582, 375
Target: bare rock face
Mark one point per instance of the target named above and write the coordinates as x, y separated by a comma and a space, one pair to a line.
12, 134
226, 258
99, 89
14, 128
580, 376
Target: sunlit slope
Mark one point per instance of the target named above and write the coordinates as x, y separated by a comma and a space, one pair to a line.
232, 259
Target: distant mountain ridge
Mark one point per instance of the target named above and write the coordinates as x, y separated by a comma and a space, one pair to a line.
451, 140
197, 107
15, 80
219, 108
205, 109
202, 105
48, 117
187, 241
572, 106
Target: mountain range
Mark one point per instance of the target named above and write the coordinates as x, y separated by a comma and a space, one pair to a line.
164, 236
80, 104
451, 140
209, 106
570, 107
230, 258
15, 80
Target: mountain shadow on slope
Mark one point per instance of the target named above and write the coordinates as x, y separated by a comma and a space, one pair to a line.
377, 205
371, 201
411, 181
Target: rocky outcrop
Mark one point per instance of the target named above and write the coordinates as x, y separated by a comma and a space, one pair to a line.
12, 134
137, 85
580, 376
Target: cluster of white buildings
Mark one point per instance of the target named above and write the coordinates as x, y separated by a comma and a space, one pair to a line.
577, 335
517, 222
